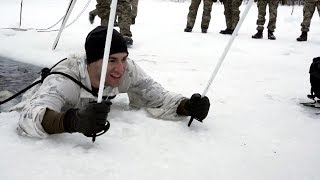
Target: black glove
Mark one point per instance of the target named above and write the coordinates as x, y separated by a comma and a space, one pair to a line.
221, 1
88, 121
214, 0
196, 106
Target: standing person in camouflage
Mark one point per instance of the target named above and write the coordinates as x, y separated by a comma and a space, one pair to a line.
308, 9
134, 11
124, 16
206, 15
231, 12
94, 13
262, 6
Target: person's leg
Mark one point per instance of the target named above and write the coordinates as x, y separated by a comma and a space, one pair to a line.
228, 13
124, 20
273, 8
235, 13
103, 8
124, 17
308, 10
262, 6
192, 15
206, 15
134, 10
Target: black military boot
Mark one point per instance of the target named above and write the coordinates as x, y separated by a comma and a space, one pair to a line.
271, 35
226, 31
188, 29
303, 36
203, 30
258, 35
128, 39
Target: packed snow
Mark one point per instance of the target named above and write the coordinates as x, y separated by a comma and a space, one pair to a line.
256, 129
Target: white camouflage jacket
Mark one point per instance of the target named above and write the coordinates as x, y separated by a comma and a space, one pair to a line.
59, 93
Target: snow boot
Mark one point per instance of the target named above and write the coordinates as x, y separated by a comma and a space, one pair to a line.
258, 35
188, 29
226, 31
128, 39
303, 36
271, 35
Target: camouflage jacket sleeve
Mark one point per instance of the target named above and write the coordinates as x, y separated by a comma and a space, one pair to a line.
56, 93
143, 91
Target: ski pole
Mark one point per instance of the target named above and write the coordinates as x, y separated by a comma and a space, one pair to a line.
106, 53
292, 7
226, 49
20, 22
65, 19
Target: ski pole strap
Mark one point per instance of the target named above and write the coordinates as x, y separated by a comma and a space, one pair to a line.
106, 128
190, 121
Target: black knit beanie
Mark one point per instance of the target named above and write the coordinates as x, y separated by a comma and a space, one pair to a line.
96, 41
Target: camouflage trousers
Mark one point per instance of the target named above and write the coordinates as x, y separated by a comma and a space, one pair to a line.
232, 12
308, 9
262, 7
206, 15
123, 12
134, 8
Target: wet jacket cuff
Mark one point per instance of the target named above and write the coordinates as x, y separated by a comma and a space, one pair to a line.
181, 108
52, 122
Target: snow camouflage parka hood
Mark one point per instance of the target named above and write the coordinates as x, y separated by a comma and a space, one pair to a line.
60, 93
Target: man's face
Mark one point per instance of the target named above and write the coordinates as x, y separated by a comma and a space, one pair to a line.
116, 66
